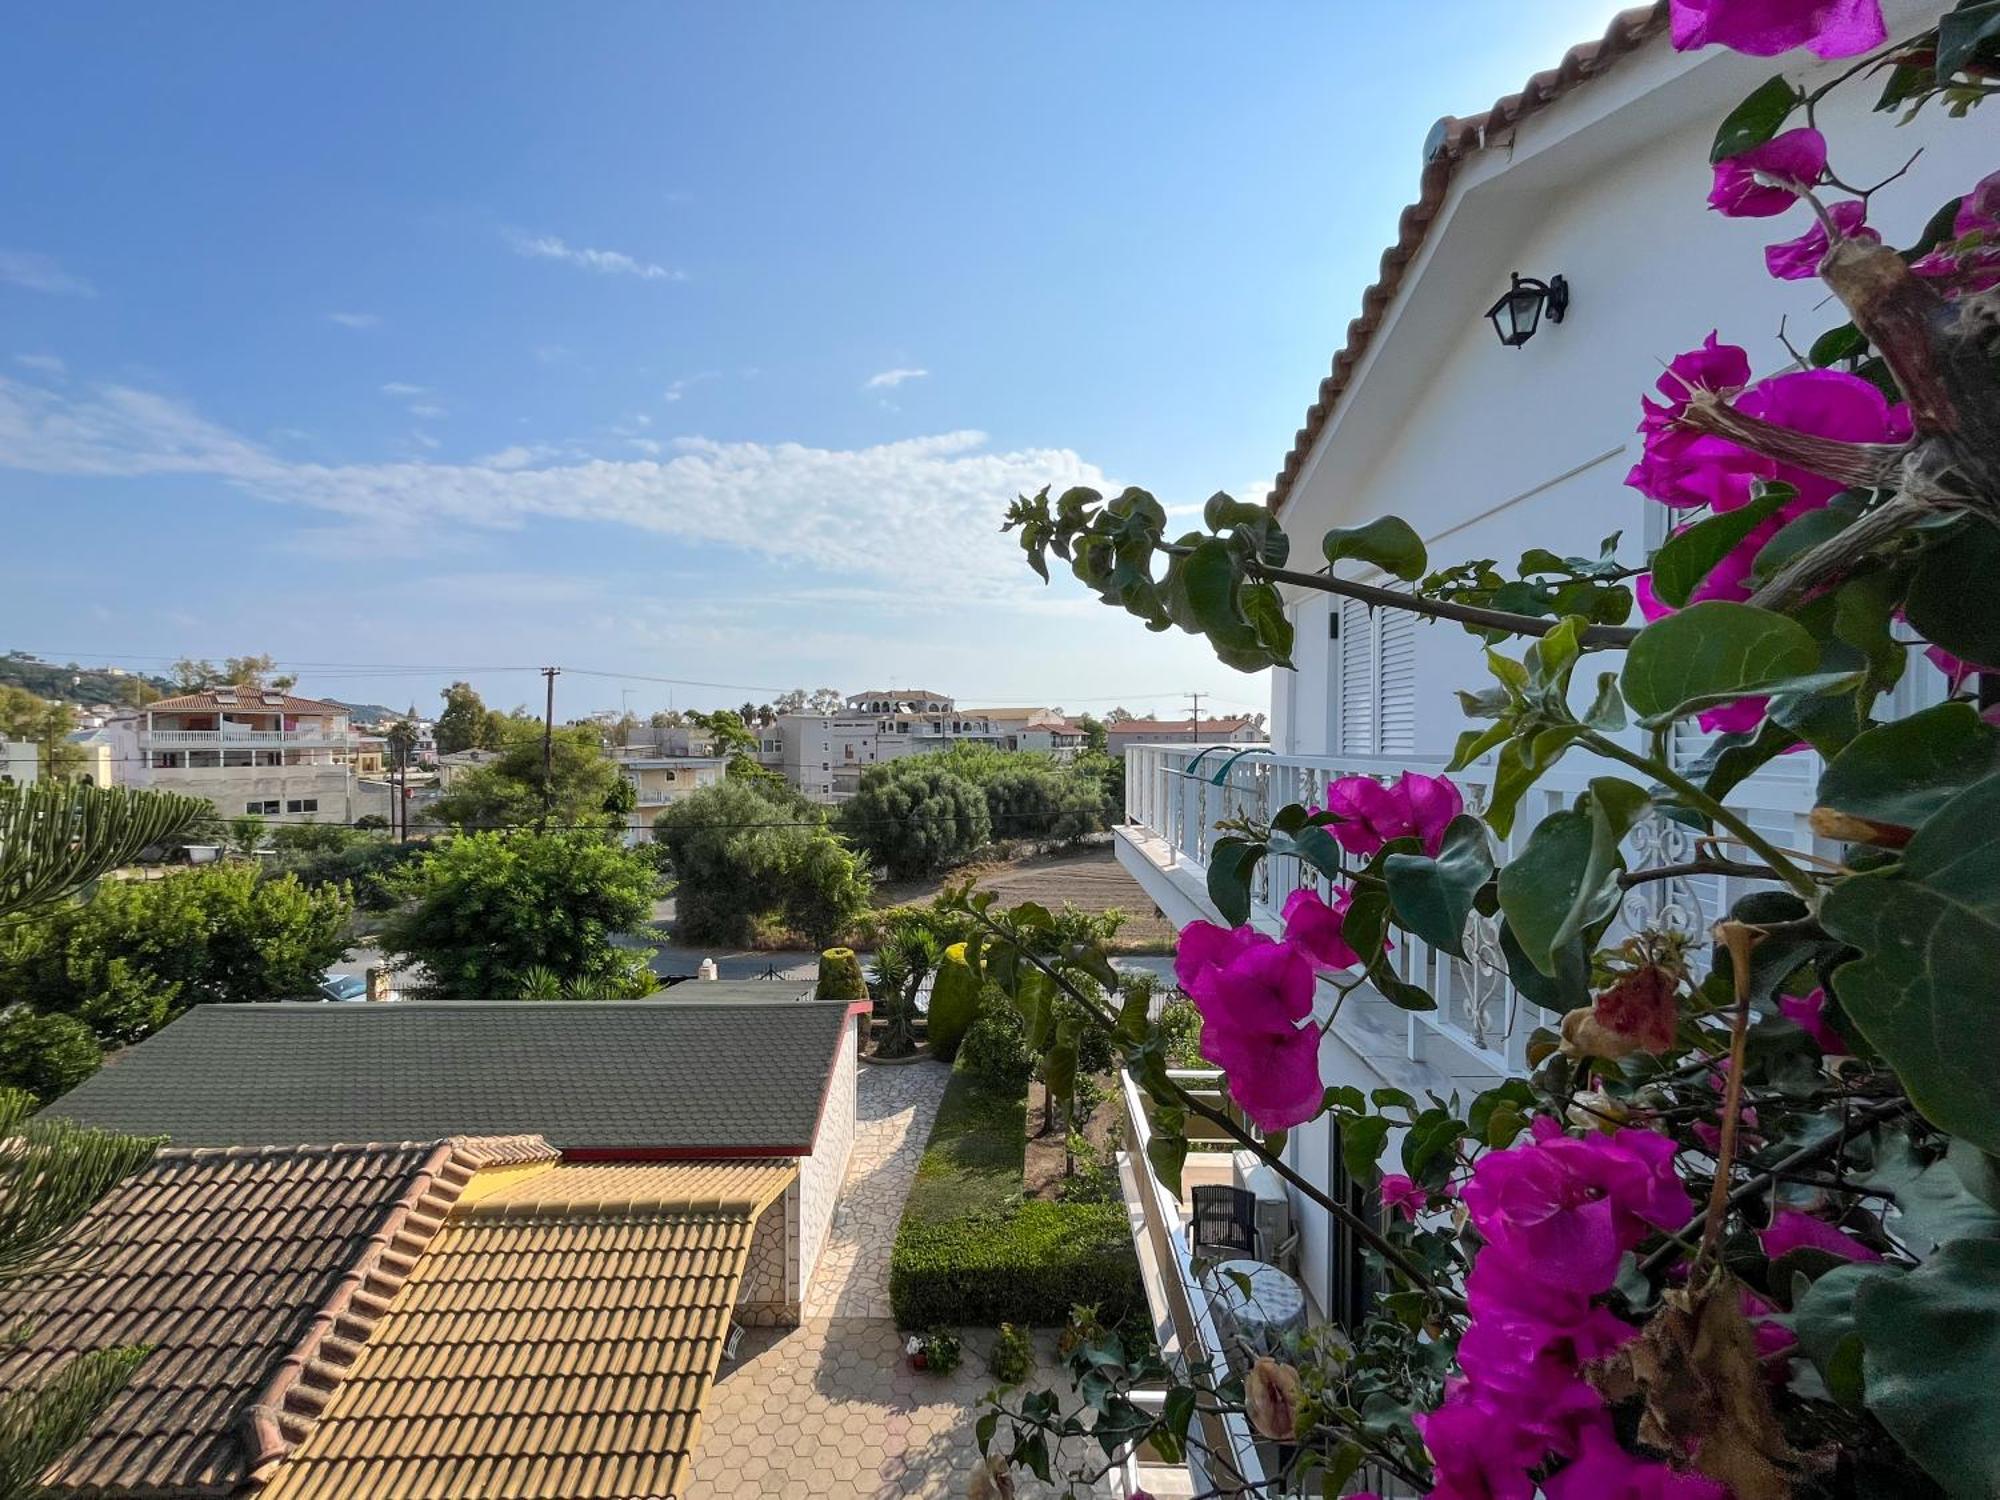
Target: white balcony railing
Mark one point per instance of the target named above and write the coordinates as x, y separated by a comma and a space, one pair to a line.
240, 739
1177, 794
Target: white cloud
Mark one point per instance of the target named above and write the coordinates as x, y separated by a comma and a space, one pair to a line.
518, 456
41, 273
835, 509
687, 383
401, 388
429, 411
647, 446
604, 262
46, 364
355, 319
888, 380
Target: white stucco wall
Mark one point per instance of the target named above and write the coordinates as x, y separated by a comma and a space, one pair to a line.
1488, 450
821, 1174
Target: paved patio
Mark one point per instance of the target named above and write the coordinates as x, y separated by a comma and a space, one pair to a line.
831, 1408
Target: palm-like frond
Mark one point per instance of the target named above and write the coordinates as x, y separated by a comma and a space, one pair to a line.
41, 1422
58, 835
51, 1171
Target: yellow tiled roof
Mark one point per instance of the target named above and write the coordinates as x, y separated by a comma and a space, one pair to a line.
554, 1342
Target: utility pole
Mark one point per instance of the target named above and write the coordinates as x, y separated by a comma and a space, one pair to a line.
548, 749
1196, 716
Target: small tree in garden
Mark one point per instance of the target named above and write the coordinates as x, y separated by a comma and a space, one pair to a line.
916, 816
1738, 1234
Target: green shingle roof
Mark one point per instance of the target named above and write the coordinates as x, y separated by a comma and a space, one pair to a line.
635, 1076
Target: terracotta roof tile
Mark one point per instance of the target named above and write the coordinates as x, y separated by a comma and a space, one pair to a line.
207, 701
554, 1342
1453, 140
257, 1273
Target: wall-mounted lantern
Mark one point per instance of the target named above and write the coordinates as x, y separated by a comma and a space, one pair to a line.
1519, 311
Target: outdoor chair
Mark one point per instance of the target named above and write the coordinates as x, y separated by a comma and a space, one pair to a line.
1225, 1221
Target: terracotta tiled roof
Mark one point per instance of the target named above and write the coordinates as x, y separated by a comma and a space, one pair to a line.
672, 1077
206, 701
1453, 140
256, 1274
1175, 726
556, 1342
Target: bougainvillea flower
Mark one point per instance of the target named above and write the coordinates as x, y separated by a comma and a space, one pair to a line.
1554, 1225
1765, 28
1204, 946
1370, 813
1417, 806
1478, 1453
1809, 1012
1715, 366
1273, 1075
1317, 928
1432, 802
1402, 1196
1602, 1470
1772, 1338
1265, 986
1634, 1170
1791, 1230
1768, 179
1798, 260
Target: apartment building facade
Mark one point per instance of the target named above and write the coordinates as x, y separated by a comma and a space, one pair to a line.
268, 754
825, 755
664, 765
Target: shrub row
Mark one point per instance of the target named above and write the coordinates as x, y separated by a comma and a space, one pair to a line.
1028, 1264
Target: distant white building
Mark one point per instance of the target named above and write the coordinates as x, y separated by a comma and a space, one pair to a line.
1244, 730
20, 761
1044, 730
286, 759
824, 755
663, 765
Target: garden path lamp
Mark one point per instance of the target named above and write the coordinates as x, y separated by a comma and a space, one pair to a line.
1519, 311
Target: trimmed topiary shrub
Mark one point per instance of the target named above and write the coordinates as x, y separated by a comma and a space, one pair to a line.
954, 1003
840, 975
995, 1047
1013, 1355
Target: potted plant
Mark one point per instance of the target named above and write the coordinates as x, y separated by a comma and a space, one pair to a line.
1013, 1355
938, 1351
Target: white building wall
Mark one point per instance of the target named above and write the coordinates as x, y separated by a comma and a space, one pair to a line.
20, 761
822, 1173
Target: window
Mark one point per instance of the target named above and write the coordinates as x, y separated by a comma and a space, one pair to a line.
1375, 690
262, 809
302, 805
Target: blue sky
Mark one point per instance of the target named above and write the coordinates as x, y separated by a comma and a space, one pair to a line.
703, 342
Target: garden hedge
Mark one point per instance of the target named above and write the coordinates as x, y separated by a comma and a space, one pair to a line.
971, 1251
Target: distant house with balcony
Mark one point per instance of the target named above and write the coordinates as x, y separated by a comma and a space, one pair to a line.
1596, 171
1042, 730
291, 760
824, 755
664, 765
1244, 730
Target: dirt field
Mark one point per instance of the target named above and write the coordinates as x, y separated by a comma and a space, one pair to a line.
1091, 879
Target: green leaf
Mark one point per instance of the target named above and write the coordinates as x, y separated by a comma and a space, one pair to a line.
1231, 862
1607, 711
1687, 557
1931, 1360
1556, 887
1756, 119
1433, 896
1520, 765
1950, 602
1397, 990
1923, 992
1732, 759
1934, 1206
1903, 772
1710, 653
1614, 807
1166, 1153
1361, 1143
1962, 33
1389, 542
1836, 344
1823, 1318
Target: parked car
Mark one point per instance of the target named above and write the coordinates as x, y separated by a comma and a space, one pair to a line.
334, 986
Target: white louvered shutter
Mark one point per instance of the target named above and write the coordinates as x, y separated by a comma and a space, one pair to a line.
1396, 682
1356, 652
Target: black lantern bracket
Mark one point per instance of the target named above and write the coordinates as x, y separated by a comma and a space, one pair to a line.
1519, 312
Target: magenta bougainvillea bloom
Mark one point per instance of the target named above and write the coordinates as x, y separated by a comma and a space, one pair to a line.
1402, 1196
1809, 1011
1252, 992
1372, 813
1970, 261
1798, 260
1602, 1470
1791, 1230
1317, 928
1765, 28
1768, 179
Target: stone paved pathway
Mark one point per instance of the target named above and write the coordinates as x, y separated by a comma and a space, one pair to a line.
831, 1408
